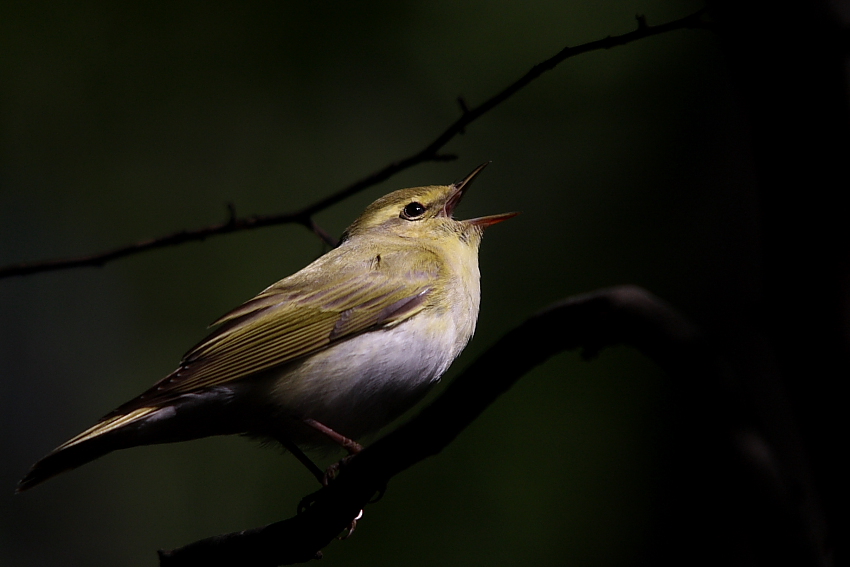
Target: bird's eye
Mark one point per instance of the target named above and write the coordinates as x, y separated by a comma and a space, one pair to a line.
413, 211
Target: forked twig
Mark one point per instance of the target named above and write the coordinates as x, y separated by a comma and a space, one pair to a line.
430, 152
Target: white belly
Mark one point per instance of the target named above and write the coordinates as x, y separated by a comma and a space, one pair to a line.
361, 384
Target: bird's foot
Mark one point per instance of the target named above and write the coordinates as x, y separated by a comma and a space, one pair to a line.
350, 529
332, 471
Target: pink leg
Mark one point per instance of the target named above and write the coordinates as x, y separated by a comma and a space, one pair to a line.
349, 445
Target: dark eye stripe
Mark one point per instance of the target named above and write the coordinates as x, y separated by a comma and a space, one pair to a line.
412, 211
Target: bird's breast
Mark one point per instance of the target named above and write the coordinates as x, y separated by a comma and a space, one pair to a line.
361, 384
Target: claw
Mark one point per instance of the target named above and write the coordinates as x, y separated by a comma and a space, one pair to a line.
351, 527
333, 470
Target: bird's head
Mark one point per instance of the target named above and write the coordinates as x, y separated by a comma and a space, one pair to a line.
424, 213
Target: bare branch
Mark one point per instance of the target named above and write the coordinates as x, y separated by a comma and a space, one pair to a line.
323, 234
431, 152
721, 455
180, 237
627, 315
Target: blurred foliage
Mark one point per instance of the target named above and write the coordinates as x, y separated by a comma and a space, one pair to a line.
124, 121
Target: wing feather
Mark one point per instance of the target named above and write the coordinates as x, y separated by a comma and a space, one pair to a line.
304, 313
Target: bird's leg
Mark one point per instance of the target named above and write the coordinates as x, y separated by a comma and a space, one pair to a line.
353, 447
305, 460
283, 438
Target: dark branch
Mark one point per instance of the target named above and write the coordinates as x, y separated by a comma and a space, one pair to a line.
623, 315
180, 237
323, 234
431, 152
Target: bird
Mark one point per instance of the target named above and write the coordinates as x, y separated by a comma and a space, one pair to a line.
327, 355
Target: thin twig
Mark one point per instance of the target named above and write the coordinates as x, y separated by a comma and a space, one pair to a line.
431, 152
323, 234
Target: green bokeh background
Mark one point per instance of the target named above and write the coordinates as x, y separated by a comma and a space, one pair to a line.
120, 122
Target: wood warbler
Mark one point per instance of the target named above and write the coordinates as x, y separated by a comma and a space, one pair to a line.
334, 351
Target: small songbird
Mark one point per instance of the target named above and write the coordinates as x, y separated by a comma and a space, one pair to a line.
331, 353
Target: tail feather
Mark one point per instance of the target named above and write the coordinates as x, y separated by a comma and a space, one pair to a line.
96, 441
211, 411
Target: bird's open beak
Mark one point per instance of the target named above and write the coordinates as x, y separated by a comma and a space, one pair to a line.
460, 189
484, 222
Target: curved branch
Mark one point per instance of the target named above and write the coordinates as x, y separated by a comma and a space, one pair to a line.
726, 476
430, 152
622, 315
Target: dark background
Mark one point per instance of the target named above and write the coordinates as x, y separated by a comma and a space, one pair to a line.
122, 122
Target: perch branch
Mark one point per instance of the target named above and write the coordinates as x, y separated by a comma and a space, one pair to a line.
623, 315
722, 453
430, 152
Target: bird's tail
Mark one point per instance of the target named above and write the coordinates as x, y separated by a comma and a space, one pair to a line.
111, 433
146, 421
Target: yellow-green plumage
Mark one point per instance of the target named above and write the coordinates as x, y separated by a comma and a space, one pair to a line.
350, 341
